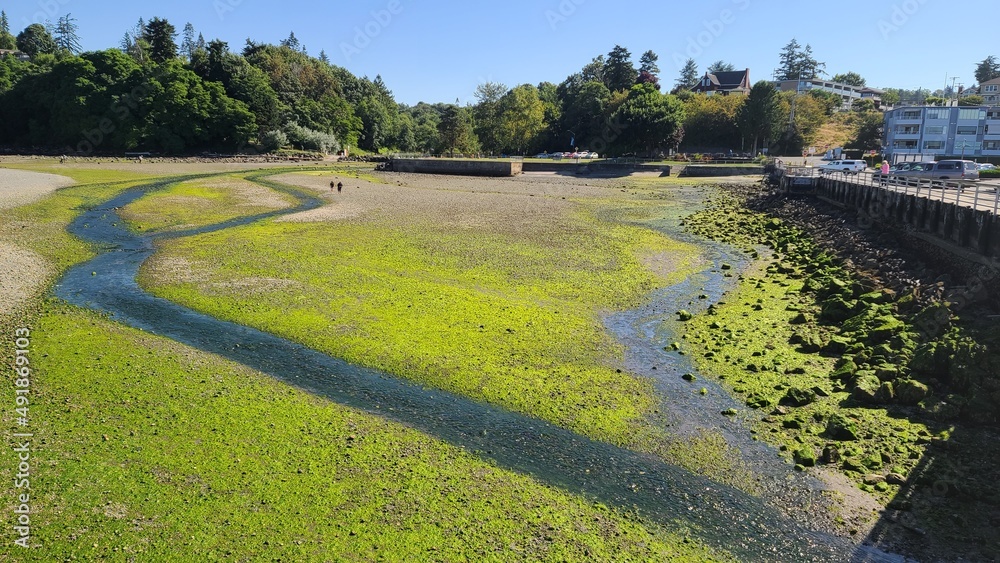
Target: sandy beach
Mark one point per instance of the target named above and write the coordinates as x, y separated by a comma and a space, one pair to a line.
24, 272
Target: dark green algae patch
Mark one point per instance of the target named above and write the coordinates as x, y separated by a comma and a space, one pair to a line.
841, 372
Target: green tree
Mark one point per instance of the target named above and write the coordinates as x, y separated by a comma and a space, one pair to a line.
291, 42
890, 97
7, 40
35, 40
160, 34
796, 63
758, 117
720, 66
647, 63
522, 117
377, 122
487, 114
651, 120
456, 132
189, 43
66, 36
971, 100
619, 74
988, 69
869, 132
594, 70
851, 78
710, 122
864, 105
689, 76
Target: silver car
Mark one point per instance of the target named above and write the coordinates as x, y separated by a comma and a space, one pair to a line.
954, 170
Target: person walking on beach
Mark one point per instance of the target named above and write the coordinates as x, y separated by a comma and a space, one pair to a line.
340, 187
331, 185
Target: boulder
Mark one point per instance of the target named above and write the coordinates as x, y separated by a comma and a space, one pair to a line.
839, 427
795, 397
910, 392
805, 456
866, 387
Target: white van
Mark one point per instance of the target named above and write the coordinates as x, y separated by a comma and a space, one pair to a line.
845, 166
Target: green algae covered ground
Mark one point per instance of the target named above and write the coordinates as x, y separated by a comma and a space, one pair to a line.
151, 450
505, 308
841, 373
144, 449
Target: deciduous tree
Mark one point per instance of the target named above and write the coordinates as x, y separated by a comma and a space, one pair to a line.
36, 40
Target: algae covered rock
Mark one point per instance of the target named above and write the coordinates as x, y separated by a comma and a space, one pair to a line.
866, 387
684, 316
841, 428
795, 397
805, 456
910, 392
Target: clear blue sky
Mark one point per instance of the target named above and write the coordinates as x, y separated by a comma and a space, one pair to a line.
442, 52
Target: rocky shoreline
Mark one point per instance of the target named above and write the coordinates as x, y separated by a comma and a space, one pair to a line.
863, 353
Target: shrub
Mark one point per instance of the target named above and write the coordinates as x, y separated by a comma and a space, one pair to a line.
311, 140
273, 140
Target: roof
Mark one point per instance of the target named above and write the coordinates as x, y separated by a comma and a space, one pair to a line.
729, 79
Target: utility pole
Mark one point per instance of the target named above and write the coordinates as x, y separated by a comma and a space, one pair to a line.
953, 91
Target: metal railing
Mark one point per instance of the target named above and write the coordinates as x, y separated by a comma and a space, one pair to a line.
979, 194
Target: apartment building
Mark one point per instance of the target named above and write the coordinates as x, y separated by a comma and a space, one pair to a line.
929, 133
848, 93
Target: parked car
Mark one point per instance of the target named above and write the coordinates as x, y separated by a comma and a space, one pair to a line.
543, 155
844, 166
954, 170
986, 166
913, 169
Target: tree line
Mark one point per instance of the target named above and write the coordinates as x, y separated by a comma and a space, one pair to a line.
152, 93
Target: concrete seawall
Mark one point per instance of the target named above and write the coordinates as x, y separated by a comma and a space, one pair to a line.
497, 168
708, 171
956, 226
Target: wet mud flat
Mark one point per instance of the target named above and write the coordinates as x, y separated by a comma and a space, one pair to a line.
740, 523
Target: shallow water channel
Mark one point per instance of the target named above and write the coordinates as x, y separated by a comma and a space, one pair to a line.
745, 525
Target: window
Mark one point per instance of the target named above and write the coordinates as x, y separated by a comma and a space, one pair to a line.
991, 146
904, 144
993, 114
907, 129
971, 114
967, 130
991, 88
937, 113
911, 114
934, 145
934, 130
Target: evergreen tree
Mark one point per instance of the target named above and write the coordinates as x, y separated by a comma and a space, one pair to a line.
323, 57
788, 61
619, 74
160, 33
689, 76
291, 42
188, 42
988, 69
758, 116
66, 37
647, 63
7, 40
720, 66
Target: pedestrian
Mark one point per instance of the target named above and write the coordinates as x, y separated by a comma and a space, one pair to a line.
340, 187
885, 172
331, 185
